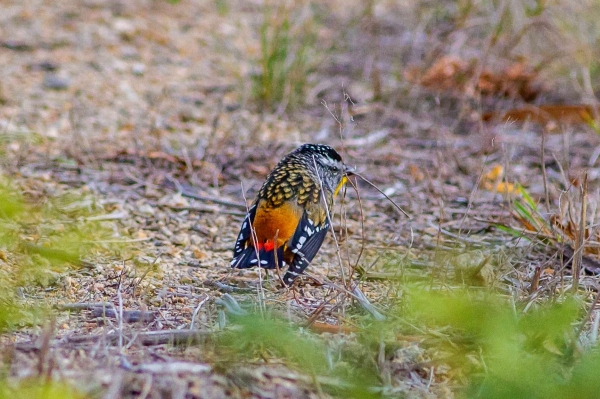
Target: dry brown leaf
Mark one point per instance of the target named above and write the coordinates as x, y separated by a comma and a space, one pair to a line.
320, 327
416, 173
546, 115
450, 73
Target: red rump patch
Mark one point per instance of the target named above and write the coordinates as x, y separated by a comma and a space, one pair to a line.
268, 245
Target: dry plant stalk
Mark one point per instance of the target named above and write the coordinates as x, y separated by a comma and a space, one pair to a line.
580, 236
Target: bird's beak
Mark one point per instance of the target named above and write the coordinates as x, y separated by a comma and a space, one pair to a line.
348, 171
342, 182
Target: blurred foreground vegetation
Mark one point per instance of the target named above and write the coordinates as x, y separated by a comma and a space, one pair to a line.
42, 239
489, 341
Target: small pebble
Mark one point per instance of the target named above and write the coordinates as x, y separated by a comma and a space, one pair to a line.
129, 52
47, 66
55, 82
180, 239
138, 69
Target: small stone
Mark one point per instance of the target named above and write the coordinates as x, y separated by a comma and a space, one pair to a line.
180, 239
195, 239
99, 287
166, 232
130, 52
147, 209
46, 66
138, 69
55, 82
124, 27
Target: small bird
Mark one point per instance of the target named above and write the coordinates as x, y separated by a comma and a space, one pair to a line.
289, 218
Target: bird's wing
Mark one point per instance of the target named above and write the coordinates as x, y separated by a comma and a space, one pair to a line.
305, 244
241, 244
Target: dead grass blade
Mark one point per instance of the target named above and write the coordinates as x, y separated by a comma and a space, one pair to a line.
382, 193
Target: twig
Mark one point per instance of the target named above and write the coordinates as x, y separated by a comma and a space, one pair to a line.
544, 170
580, 236
225, 287
364, 302
173, 367
44, 365
328, 214
259, 288
470, 203
207, 210
573, 346
231, 305
85, 306
363, 237
120, 319
202, 302
189, 194
150, 338
128, 316
382, 193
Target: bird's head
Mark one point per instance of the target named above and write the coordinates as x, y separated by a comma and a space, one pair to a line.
327, 164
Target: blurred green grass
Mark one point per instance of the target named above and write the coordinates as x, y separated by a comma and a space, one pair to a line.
518, 353
41, 239
35, 388
287, 36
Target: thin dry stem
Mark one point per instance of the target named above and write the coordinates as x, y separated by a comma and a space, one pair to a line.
382, 193
580, 236
259, 288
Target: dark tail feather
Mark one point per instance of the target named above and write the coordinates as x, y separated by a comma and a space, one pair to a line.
296, 268
248, 259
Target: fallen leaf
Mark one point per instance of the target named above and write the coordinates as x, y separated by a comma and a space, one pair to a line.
546, 115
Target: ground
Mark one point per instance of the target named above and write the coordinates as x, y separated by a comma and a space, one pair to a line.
144, 113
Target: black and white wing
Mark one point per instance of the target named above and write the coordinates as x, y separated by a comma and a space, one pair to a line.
304, 246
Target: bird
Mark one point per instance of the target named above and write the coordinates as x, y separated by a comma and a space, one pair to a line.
289, 219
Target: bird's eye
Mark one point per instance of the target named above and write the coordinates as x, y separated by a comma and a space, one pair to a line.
334, 168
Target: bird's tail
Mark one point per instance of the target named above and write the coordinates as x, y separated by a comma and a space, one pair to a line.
265, 259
